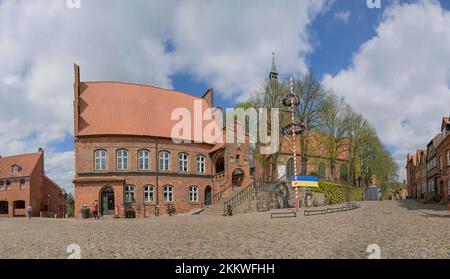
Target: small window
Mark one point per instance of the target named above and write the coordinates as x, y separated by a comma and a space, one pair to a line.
201, 162
448, 157
168, 194
100, 160
8, 185
143, 160
2, 185
193, 194
129, 193
22, 184
16, 168
122, 159
149, 193
183, 162
164, 160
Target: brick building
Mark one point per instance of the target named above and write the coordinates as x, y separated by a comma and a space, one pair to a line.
428, 170
23, 182
126, 159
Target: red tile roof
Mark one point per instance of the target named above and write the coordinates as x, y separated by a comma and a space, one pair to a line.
116, 108
26, 161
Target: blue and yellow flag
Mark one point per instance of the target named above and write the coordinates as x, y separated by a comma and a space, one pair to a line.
305, 181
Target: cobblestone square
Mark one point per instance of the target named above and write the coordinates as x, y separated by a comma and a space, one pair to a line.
402, 229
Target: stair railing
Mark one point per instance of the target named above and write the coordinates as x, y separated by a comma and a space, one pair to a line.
245, 193
214, 199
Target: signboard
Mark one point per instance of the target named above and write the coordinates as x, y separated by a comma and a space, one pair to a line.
305, 181
281, 171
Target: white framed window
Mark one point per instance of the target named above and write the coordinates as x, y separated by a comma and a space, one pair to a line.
16, 168
201, 164
2, 185
122, 159
193, 194
143, 160
183, 162
100, 160
22, 184
8, 184
129, 193
164, 160
149, 193
168, 193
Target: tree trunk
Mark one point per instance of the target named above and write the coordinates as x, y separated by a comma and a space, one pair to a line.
304, 154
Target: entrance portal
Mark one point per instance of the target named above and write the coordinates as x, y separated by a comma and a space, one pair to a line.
107, 201
237, 177
208, 196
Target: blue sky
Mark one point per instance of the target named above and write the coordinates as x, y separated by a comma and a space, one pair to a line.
391, 64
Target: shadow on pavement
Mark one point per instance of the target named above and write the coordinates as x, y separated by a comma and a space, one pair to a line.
430, 210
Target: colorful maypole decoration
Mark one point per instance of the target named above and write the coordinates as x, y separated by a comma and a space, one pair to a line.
291, 101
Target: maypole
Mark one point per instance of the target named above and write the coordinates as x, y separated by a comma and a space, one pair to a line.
291, 101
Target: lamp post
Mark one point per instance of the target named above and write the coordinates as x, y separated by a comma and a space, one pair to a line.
291, 101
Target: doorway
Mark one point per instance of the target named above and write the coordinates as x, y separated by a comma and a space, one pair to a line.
4, 207
107, 201
208, 196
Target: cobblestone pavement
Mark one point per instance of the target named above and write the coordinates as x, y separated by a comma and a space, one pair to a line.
396, 226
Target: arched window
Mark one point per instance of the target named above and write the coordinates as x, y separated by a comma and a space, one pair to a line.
129, 193
16, 168
201, 164
168, 193
149, 193
122, 159
164, 160
183, 162
290, 169
322, 170
143, 160
100, 160
193, 194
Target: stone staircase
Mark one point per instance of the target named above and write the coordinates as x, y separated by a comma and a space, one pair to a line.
217, 209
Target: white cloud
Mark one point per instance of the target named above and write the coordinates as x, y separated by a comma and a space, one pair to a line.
400, 78
226, 44
343, 16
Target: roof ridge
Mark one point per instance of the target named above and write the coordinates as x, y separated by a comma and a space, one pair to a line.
143, 85
20, 155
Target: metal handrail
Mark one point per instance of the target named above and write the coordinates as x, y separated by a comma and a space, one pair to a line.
215, 198
245, 193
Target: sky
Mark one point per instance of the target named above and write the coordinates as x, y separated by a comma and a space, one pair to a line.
392, 64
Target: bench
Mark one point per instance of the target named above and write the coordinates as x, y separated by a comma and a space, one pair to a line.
286, 214
334, 209
315, 212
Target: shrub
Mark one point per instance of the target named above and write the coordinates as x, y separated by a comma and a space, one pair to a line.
338, 194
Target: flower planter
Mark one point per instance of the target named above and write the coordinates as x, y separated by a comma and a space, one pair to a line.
85, 211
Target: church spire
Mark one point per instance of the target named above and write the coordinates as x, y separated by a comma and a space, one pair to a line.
273, 71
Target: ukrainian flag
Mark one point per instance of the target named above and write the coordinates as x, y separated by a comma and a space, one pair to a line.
305, 181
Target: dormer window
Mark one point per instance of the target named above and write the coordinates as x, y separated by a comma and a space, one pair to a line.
16, 168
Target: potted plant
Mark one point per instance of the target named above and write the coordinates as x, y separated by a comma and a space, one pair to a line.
85, 211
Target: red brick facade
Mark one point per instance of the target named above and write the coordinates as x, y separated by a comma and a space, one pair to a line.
23, 182
428, 170
133, 190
